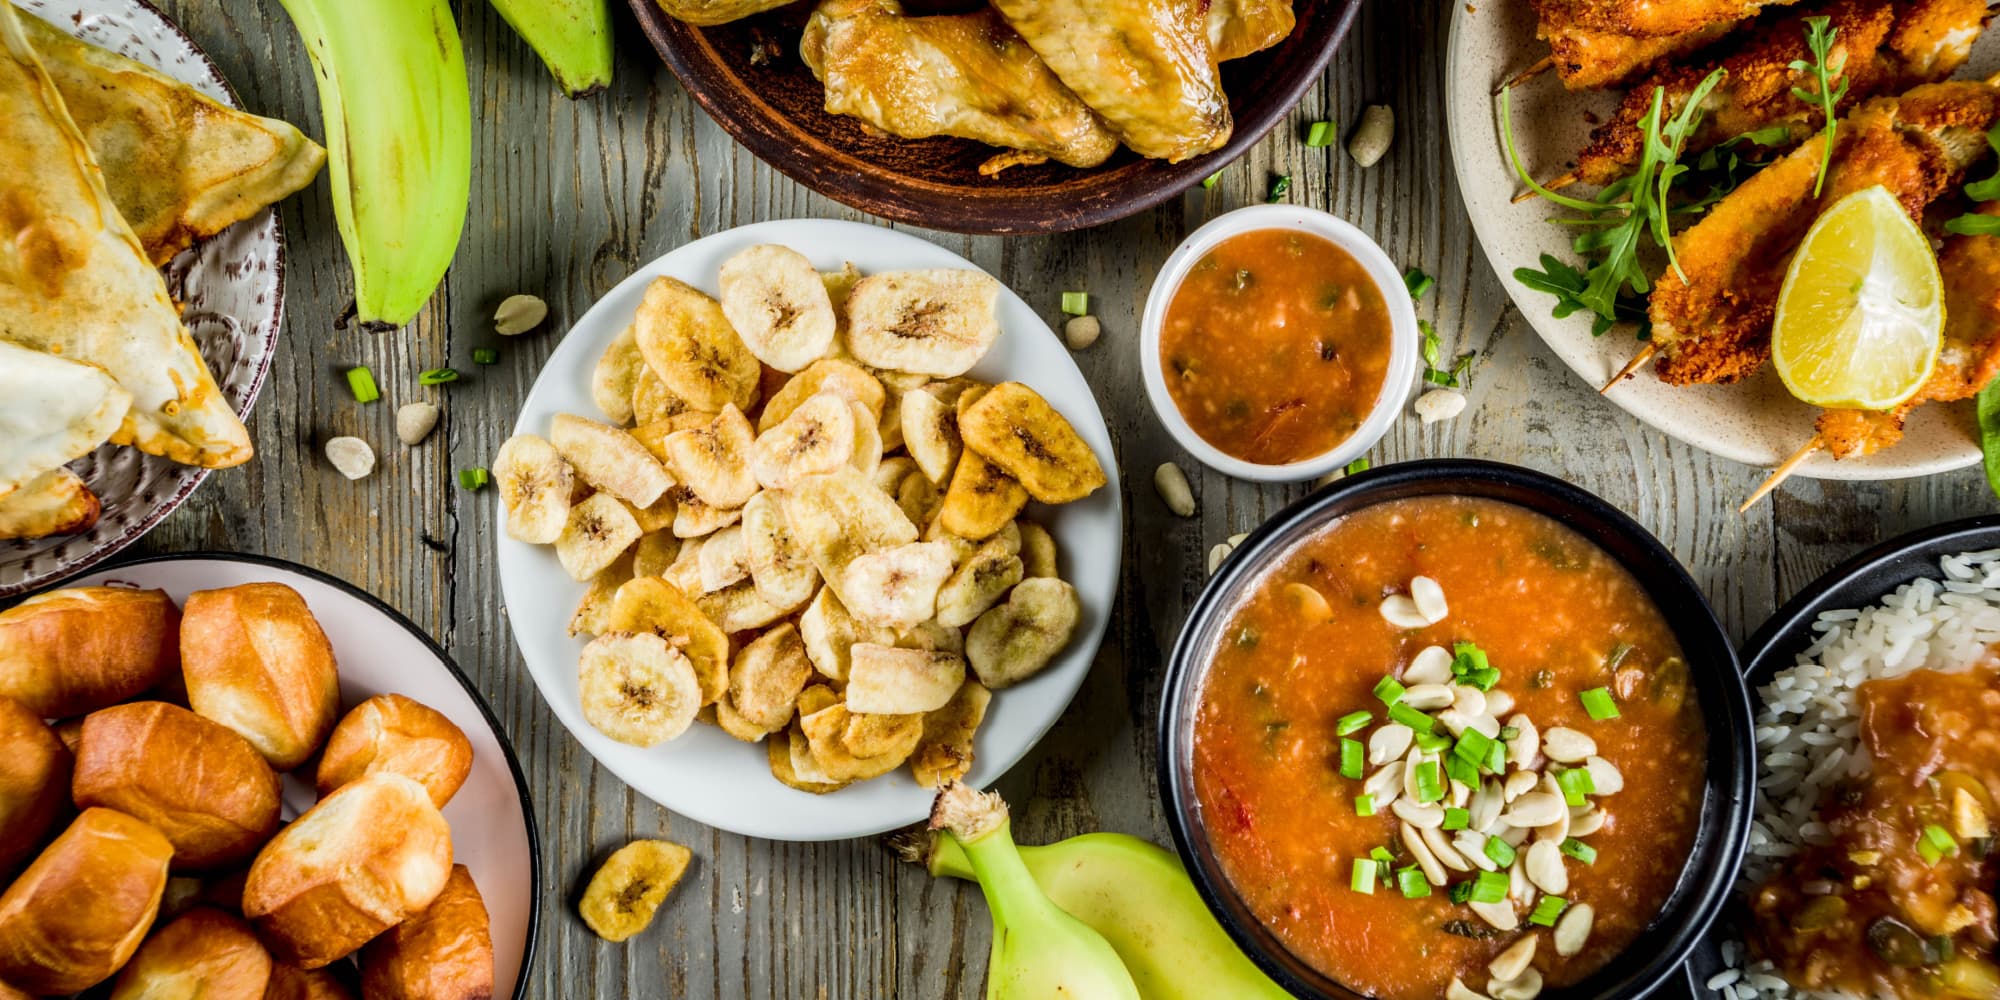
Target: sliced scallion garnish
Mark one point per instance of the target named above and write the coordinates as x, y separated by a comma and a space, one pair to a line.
1460, 892
1457, 819
1363, 880
1208, 183
1579, 850
1361, 464
474, 479
1433, 742
1388, 690
1490, 887
1411, 883
1575, 784
437, 376
1279, 188
1320, 135
1547, 909
1352, 722
485, 356
1075, 303
1364, 805
1599, 703
1500, 851
1418, 282
1469, 667
1351, 757
361, 382
1472, 747
1412, 718
1936, 843
1429, 786
1462, 771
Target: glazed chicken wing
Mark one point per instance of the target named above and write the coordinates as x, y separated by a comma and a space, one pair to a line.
1237, 28
964, 75
712, 12
1144, 65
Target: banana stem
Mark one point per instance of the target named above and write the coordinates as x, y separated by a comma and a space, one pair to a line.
977, 825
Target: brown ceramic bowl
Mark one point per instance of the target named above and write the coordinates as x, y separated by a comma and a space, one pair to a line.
749, 77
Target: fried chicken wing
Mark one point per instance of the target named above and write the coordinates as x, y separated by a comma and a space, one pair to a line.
1587, 59
964, 75
1145, 66
1715, 326
1237, 28
1883, 47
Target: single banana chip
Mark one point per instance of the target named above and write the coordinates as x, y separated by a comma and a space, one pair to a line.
610, 459
739, 608
650, 604
658, 517
890, 473
817, 438
599, 531
919, 498
896, 587
652, 402
694, 518
730, 721
657, 551
930, 432
978, 583
593, 612
1015, 640
828, 375
1038, 550
1013, 427
890, 680
779, 306
841, 516
689, 344
780, 567
872, 736
982, 498
535, 482
767, 677
971, 395
630, 886
931, 322
839, 285
792, 764
945, 753
830, 634
827, 737
723, 559
866, 456
932, 637
714, 460
636, 689
616, 376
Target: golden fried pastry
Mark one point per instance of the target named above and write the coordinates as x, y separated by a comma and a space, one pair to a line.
400, 735
69, 652
289, 982
54, 503
443, 953
204, 787
34, 783
79, 911
205, 954
256, 661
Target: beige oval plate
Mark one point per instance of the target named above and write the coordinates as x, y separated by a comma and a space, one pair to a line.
1754, 421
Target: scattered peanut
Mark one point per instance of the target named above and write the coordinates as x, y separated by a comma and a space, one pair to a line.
414, 422
1082, 331
1439, 404
1174, 489
1372, 138
519, 314
351, 456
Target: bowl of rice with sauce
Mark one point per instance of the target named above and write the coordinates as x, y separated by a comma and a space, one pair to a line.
1871, 871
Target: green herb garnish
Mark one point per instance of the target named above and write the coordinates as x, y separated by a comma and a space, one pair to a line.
1352, 756
1279, 187
1208, 183
1579, 850
1826, 92
474, 479
1418, 282
1460, 892
1364, 805
1575, 784
1547, 909
1457, 819
361, 382
1320, 134
1989, 432
1411, 883
1469, 667
1490, 887
1352, 723
1936, 843
1388, 690
1500, 851
437, 376
1599, 703
485, 356
1075, 303
1363, 880
1361, 464
1412, 718
1974, 223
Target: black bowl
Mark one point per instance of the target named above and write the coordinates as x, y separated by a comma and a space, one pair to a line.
1726, 807
1857, 583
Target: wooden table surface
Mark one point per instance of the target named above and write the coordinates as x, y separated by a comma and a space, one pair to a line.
569, 198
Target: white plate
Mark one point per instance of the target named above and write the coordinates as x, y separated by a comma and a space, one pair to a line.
706, 775
1756, 421
380, 651
231, 287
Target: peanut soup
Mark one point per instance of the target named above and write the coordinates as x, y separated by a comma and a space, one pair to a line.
1448, 738
1275, 346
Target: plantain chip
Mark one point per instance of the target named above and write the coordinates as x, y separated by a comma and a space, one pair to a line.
630, 886
1013, 427
945, 752
981, 500
650, 604
829, 375
830, 632
1014, 641
689, 344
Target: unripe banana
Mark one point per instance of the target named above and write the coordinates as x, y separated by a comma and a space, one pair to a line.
398, 114
1039, 952
573, 37
1138, 897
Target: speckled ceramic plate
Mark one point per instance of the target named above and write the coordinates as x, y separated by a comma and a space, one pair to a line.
1755, 421
232, 289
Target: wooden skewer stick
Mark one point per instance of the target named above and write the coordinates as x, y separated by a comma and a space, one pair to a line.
1638, 361
1782, 473
1554, 184
1547, 63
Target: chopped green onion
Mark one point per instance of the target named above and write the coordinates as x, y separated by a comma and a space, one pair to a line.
1320, 135
1575, 784
1411, 882
485, 356
1462, 771
1364, 876
1469, 667
1412, 718
1472, 747
361, 382
1457, 819
1509, 732
1075, 303
1599, 703
1500, 851
1579, 850
1382, 857
1433, 742
1388, 690
1351, 757
1208, 183
1547, 909
437, 376
1278, 189
1430, 787
1418, 282
1364, 805
1937, 843
1352, 722
1490, 887
1361, 464
1460, 892
474, 478
1496, 758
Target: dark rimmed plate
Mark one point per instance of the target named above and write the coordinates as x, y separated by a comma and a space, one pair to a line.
1857, 583
379, 651
1726, 808
747, 75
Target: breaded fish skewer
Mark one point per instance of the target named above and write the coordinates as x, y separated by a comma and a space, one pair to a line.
1605, 43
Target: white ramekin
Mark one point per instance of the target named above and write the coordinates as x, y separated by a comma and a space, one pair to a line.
1403, 350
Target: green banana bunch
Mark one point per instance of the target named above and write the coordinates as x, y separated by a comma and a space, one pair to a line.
398, 115
1139, 898
573, 37
1039, 952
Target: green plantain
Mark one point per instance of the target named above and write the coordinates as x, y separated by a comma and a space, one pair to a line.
573, 37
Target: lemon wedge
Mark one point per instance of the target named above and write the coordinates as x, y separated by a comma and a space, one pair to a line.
1861, 314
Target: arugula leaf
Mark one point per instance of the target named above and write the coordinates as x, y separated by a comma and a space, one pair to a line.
1567, 283
1974, 225
1989, 432
1988, 189
1725, 166
1826, 93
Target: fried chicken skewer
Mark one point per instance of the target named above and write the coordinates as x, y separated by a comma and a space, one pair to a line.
1605, 43
1880, 47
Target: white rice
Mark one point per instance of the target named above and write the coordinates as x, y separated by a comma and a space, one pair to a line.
1808, 733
